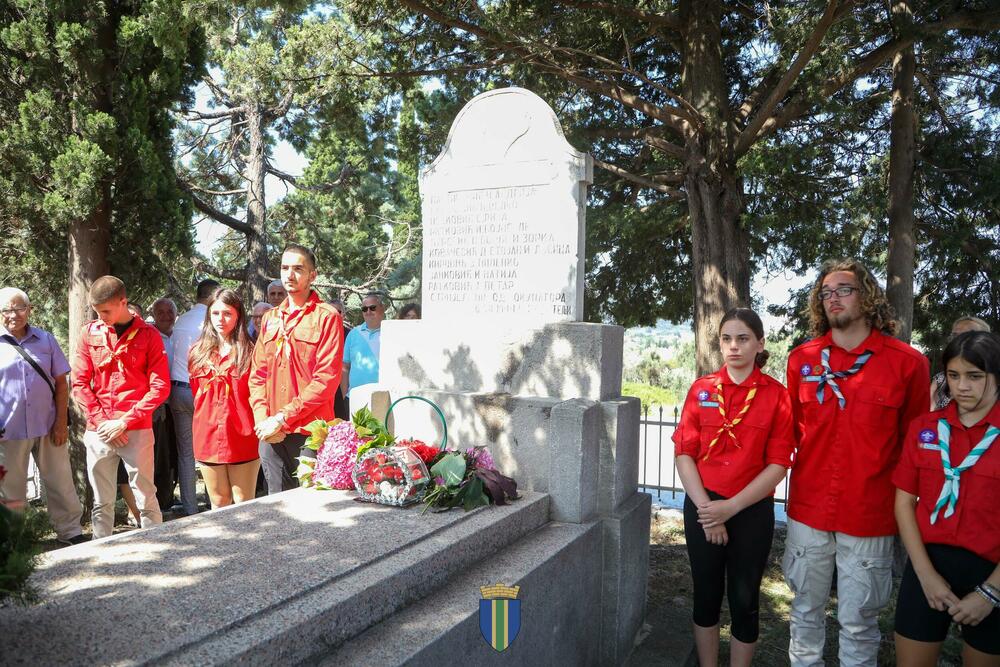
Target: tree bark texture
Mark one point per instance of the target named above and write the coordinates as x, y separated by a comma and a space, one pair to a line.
900, 262
256, 170
719, 247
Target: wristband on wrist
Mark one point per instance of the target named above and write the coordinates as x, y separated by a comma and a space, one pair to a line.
988, 596
991, 588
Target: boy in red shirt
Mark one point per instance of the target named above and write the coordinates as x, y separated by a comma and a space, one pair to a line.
120, 376
295, 370
854, 390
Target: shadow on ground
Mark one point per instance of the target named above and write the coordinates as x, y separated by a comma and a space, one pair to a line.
668, 609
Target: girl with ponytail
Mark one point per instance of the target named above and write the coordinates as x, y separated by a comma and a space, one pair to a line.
733, 445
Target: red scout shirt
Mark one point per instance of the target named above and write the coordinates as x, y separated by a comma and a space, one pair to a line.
223, 421
763, 436
120, 378
841, 478
297, 363
975, 525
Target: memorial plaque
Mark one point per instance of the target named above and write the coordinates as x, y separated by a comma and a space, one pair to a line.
504, 211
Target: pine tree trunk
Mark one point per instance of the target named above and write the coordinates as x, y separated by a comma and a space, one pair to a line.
719, 247
256, 267
902, 156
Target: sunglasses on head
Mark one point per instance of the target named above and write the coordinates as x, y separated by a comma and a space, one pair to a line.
373, 308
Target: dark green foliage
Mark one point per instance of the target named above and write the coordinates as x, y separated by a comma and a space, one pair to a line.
19, 537
85, 104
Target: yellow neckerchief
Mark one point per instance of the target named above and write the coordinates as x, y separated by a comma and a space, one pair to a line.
218, 372
285, 328
727, 425
117, 352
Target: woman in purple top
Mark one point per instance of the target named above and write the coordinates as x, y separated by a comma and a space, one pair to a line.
33, 415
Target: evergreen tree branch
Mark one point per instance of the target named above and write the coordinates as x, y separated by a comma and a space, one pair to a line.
213, 212
201, 265
384, 267
935, 99
785, 83
801, 102
670, 20
672, 193
346, 172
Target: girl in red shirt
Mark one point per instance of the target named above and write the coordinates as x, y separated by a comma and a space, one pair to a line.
224, 440
947, 492
733, 445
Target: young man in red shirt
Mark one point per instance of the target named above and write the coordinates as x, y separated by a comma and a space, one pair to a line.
854, 390
120, 376
296, 369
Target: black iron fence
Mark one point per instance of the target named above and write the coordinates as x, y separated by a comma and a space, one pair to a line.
657, 473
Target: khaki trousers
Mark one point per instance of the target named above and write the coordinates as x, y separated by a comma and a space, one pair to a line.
63, 504
102, 469
864, 584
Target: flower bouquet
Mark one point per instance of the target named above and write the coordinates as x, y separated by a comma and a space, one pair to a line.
467, 480
336, 444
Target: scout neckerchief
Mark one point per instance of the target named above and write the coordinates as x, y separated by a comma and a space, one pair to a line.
285, 328
727, 425
830, 376
218, 372
949, 491
117, 352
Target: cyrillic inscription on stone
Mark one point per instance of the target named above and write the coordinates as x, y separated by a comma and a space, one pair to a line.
504, 226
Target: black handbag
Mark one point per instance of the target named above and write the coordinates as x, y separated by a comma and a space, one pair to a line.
10, 340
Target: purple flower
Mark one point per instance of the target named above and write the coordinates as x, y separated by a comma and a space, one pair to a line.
480, 458
335, 457
439, 481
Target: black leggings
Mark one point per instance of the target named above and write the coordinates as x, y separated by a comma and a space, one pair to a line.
736, 568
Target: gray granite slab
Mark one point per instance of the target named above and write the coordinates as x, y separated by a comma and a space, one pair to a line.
244, 583
560, 594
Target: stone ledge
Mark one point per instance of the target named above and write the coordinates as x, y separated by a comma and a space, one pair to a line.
560, 582
253, 583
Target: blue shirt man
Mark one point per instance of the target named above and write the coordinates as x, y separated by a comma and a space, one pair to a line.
361, 349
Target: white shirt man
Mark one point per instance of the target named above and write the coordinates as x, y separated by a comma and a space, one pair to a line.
186, 331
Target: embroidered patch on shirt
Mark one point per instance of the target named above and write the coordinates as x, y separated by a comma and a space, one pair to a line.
805, 370
927, 436
703, 395
930, 446
708, 404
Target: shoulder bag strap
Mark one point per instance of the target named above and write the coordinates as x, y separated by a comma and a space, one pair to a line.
34, 364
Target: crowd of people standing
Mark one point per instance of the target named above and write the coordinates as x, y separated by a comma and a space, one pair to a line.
875, 451
222, 389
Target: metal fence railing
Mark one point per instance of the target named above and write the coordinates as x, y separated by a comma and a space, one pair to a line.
657, 472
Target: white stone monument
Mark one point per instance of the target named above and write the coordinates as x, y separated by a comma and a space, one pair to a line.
501, 350
504, 208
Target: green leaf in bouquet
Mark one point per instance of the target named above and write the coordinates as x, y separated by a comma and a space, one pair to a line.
474, 496
304, 471
318, 430
451, 467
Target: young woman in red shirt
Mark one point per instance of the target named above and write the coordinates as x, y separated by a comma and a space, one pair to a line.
947, 492
733, 445
224, 440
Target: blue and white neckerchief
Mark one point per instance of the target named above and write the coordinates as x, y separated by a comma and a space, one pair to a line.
830, 376
949, 490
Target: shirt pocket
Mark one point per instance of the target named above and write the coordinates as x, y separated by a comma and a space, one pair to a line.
980, 491
99, 354
930, 475
877, 406
306, 342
